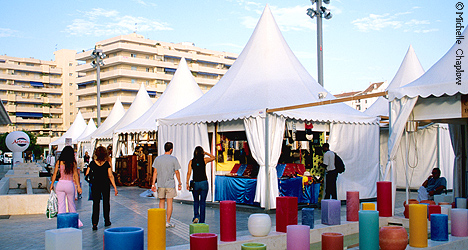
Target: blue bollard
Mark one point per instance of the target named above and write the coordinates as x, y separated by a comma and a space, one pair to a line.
65, 220
308, 217
439, 227
120, 238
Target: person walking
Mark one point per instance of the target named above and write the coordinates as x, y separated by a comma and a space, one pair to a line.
200, 182
331, 173
103, 178
65, 188
165, 167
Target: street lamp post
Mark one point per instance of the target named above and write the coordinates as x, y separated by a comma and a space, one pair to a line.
320, 13
97, 63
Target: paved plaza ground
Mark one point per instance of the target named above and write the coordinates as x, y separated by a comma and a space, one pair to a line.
129, 209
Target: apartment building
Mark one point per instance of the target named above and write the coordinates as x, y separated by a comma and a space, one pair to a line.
132, 60
39, 95
363, 104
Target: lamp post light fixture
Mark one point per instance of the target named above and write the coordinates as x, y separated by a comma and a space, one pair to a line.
320, 12
97, 63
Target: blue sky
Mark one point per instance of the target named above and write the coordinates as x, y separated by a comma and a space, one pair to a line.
364, 42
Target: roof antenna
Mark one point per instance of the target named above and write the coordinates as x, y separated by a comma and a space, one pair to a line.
136, 28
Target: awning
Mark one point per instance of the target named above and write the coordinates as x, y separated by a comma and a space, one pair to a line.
151, 92
207, 74
29, 114
85, 83
4, 118
37, 84
169, 70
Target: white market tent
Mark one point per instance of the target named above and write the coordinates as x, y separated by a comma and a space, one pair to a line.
114, 116
180, 92
433, 138
268, 75
140, 105
89, 130
436, 96
75, 130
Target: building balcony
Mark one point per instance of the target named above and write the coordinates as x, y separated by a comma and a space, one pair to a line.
89, 115
25, 88
117, 60
104, 101
112, 74
45, 69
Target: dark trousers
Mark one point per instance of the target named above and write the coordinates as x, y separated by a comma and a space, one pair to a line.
330, 189
200, 191
98, 191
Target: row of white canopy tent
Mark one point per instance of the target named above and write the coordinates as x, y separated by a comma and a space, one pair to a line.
268, 75
142, 115
439, 95
432, 138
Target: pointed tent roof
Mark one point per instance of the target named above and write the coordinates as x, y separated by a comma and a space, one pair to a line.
89, 129
114, 116
266, 74
181, 91
75, 130
140, 105
440, 79
410, 70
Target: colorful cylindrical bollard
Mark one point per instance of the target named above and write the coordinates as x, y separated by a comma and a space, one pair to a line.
120, 238
446, 209
439, 227
227, 220
65, 220
384, 198
308, 217
298, 237
433, 209
368, 206
286, 212
418, 225
253, 246
332, 241
352, 205
331, 212
204, 241
459, 222
368, 230
156, 229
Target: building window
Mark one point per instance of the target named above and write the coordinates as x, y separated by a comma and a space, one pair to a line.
115, 80
133, 81
134, 68
133, 55
147, 57
147, 69
70, 64
70, 74
71, 84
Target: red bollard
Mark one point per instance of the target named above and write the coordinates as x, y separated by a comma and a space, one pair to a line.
227, 214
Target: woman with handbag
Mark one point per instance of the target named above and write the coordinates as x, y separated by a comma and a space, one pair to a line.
101, 180
66, 164
200, 182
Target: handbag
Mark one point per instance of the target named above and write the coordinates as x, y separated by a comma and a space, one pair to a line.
90, 176
52, 206
191, 185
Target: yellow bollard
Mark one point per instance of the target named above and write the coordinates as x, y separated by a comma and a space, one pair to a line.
368, 206
156, 228
417, 225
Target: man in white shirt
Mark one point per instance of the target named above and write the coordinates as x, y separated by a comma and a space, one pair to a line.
331, 173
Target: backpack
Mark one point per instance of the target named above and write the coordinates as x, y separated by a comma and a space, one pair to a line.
339, 164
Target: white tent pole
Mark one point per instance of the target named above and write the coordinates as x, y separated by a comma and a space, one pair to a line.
438, 146
267, 164
406, 167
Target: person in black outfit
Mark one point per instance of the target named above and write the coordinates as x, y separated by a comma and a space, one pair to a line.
103, 177
200, 187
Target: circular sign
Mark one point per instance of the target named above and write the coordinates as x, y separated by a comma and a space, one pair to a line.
17, 141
